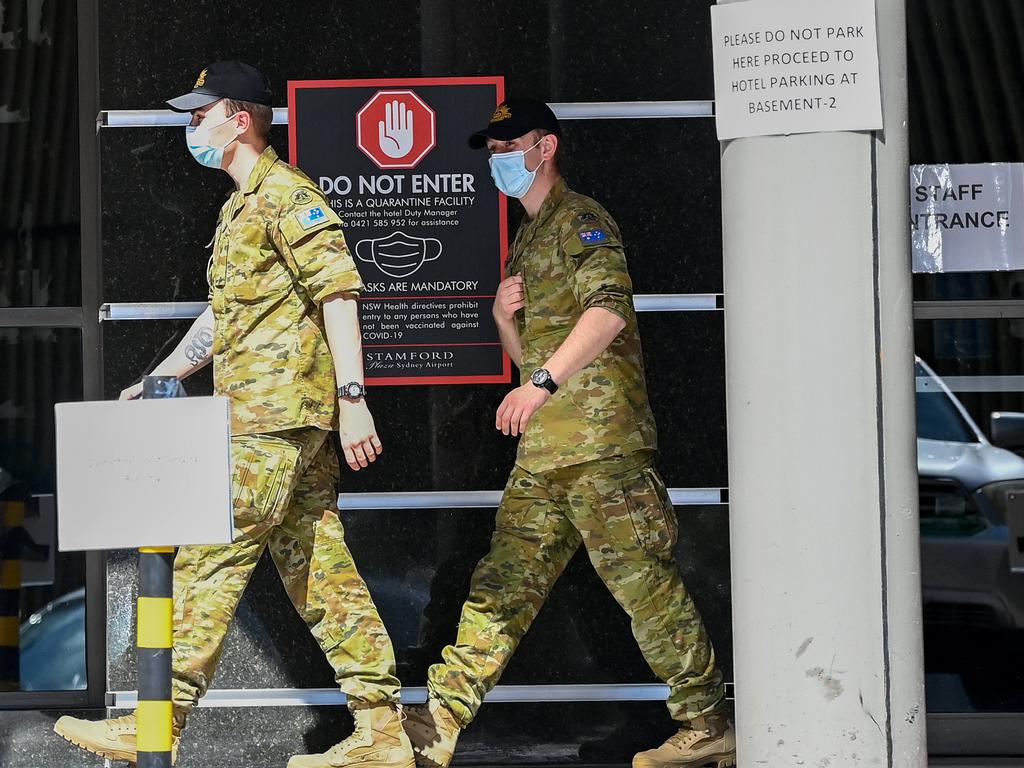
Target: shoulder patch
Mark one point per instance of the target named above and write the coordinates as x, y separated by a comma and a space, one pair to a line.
586, 217
311, 217
302, 196
593, 236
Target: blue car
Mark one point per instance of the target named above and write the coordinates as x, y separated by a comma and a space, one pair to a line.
53, 646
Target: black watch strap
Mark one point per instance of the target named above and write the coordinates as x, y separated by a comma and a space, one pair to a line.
542, 378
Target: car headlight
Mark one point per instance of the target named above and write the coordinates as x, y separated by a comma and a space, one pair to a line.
1006, 498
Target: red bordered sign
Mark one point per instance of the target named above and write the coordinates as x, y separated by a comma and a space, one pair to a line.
424, 223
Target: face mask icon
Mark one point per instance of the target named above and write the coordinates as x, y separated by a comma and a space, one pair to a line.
398, 254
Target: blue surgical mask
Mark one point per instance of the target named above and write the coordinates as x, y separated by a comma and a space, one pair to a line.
197, 137
508, 169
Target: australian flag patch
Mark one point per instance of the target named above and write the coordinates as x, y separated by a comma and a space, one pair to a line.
593, 236
311, 217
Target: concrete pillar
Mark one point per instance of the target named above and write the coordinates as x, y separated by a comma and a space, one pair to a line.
822, 464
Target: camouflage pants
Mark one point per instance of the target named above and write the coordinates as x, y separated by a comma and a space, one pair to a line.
284, 499
620, 510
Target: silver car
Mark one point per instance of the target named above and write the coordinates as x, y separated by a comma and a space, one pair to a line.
972, 510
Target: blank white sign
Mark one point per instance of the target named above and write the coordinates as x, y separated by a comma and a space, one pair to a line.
144, 473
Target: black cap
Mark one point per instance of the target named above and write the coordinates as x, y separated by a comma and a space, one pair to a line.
225, 80
514, 118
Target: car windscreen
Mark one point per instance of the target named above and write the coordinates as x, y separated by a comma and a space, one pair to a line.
937, 415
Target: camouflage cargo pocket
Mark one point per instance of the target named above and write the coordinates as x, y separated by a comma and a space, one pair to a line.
651, 512
263, 474
519, 508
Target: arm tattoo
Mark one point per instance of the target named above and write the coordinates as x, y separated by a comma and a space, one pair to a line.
199, 347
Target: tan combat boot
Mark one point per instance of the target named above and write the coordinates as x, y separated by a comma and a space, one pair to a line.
704, 741
378, 741
113, 739
433, 731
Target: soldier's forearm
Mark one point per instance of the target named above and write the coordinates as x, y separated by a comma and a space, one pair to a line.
341, 320
594, 331
510, 341
193, 352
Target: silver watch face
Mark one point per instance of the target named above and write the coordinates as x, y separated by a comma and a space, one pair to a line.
539, 376
353, 390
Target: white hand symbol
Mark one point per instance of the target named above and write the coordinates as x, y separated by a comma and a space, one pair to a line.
395, 131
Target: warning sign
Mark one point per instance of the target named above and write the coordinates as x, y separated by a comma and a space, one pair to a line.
424, 222
396, 129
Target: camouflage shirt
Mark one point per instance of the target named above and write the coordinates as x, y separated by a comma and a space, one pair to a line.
571, 259
277, 254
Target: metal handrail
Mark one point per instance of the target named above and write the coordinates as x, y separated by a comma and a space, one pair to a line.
188, 310
565, 110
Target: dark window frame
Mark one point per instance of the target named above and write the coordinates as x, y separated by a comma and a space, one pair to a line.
86, 319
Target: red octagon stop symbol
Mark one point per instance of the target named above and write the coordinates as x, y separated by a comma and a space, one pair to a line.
395, 129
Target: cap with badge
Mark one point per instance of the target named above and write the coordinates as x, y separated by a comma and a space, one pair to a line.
225, 80
514, 118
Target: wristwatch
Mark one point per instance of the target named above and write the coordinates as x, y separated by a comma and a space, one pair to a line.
542, 378
352, 391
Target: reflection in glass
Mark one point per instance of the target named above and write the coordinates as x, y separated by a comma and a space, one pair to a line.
12, 514
42, 600
972, 564
40, 243
969, 286
939, 419
981, 360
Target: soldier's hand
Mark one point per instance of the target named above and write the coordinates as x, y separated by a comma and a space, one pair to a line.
510, 298
134, 392
518, 406
359, 439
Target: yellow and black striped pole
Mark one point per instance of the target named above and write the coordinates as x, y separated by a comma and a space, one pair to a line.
155, 713
12, 537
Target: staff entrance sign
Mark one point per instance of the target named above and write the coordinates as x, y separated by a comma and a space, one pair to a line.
967, 218
422, 218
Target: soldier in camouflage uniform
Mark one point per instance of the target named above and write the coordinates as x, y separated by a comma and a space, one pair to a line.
283, 332
584, 470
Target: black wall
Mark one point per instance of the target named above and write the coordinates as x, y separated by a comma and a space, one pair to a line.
659, 178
